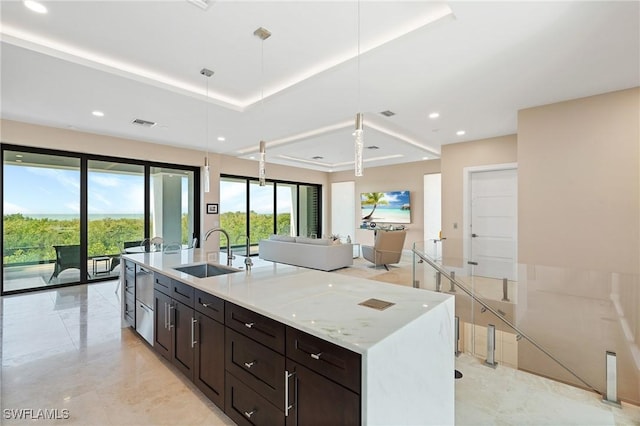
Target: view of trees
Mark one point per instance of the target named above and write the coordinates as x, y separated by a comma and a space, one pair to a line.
261, 226
31, 240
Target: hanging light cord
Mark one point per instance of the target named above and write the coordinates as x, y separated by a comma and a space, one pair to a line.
359, 56
206, 115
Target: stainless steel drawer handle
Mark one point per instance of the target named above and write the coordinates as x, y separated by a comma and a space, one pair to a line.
250, 413
193, 332
249, 364
248, 324
287, 406
206, 305
316, 356
169, 318
166, 315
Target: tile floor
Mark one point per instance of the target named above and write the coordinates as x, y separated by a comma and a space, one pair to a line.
64, 350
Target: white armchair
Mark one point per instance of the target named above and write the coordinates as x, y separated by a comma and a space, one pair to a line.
386, 249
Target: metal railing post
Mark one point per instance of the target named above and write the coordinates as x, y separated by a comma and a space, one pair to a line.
452, 287
491, 347
611, 372
438, 280
457, 350
505, 289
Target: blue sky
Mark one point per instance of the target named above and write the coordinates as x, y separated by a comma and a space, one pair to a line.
38, 190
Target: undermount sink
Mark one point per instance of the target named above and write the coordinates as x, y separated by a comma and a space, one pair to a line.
204, 270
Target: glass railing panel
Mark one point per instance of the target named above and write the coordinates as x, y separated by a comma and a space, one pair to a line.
554, 321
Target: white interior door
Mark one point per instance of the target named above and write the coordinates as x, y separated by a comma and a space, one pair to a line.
494, 223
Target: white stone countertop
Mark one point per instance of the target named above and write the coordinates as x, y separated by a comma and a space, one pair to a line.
322, 304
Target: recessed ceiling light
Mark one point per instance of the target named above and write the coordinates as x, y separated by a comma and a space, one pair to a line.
372, 147
434, 115
388, 113
221, 138
317, 157
98, 113
460, 132
19, 155
425, 158
35, 6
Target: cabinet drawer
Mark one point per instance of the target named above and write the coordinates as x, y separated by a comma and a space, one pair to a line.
246, 407
210, 305
182, 293
258, 327
335, 362
256, 365
162, 283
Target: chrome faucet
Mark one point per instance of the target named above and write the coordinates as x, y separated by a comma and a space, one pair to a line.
230, 257
247, 260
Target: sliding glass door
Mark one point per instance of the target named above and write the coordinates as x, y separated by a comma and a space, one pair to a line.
41, 220
283, 208
115, 207
67, 217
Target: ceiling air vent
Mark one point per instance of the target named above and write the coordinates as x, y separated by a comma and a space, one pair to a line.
372, 147
143, 123
388, 113
317, 157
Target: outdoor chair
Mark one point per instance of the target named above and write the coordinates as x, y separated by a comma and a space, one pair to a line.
67, 257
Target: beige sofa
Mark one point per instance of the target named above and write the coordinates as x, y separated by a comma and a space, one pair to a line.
314, 253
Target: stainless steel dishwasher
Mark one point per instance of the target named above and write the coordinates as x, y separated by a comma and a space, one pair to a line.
144, 303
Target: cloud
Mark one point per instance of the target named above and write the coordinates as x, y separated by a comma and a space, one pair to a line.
10, 208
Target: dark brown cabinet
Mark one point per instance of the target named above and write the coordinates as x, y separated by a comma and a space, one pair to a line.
318, 401
258, 370
324, 380
247, 407
163, 335
254, 364
208, 372
175, 323
184, 338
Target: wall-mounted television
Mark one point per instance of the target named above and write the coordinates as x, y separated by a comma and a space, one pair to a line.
386, 207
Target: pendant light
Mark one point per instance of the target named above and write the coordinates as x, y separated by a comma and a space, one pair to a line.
358, 133
207, 175
262, 34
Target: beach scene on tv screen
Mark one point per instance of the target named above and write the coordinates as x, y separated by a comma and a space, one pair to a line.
386, 207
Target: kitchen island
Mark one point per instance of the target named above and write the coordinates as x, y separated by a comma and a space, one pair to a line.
404, 351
